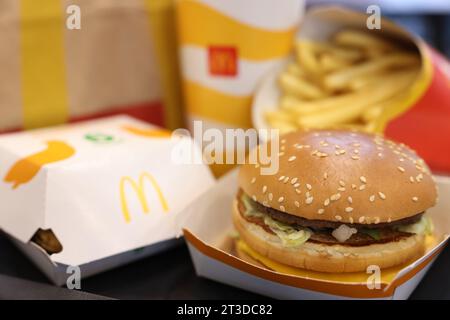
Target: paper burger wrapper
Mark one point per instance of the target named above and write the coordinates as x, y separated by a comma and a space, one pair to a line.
108, 190
209, 237
419, 116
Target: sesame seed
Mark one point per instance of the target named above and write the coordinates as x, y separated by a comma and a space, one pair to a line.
292, 158
361, 219
297, 185
286, 180
321, 211
265, 203
253, 180
283, 140
389, 220
401, 159
377, 220
281, 178
270, 196
411, 179
307, 194
337, 152
415, 199
362, 187
350, 200
380, 154
282, 148
356, 151
297, 191
322, 142
308, 186
341, 189
294, 180
382, 195
363, 179
355, 157
306, 146
264, 189
341, 183
282, 208
348, 209
280, 199
325, 175
372, 198
353, 186
337, 146
254, 198
356, 144
401, 169
309, 200
335, 197
326, 202
281, 154
350, 219
297, 204
339, 218
419, 177
314, 152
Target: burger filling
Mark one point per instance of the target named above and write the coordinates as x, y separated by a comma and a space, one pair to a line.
293, 231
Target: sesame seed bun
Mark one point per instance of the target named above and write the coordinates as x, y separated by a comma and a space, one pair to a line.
326, 258
343, 176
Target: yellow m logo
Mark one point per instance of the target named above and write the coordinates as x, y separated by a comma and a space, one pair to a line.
139, 189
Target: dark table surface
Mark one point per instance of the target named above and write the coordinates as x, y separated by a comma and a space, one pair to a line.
169, 275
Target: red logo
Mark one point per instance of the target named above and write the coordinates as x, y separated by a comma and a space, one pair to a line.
222, 61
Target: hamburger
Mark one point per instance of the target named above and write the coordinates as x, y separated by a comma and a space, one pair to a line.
340, 202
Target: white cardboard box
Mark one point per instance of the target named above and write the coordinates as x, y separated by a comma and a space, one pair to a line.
108, 189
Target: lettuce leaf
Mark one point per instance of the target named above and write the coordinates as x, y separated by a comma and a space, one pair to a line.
289, 236
423, 226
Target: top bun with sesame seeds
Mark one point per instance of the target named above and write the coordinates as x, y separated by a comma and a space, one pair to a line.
340, 202
343, 176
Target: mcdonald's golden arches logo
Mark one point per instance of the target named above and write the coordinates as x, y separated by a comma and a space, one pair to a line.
139, 190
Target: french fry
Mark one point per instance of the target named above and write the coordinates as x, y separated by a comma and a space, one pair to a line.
372, 79
341, 79
362, 40
299, 87
295, 70
307, 57
348, 54
330, 62
371, 113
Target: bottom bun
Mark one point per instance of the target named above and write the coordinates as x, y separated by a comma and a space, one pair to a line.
328, 258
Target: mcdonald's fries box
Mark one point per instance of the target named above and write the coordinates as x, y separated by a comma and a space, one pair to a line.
96, 194
213, 246
391, 82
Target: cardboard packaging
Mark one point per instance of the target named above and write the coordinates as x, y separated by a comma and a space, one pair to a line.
121, 59
108, 189
225, 47
208, 237
418, 116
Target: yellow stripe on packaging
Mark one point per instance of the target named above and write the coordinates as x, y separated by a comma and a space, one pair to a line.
252, 43
43, 74
218, 106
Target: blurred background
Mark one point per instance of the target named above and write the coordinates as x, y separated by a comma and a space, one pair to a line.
429, 19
